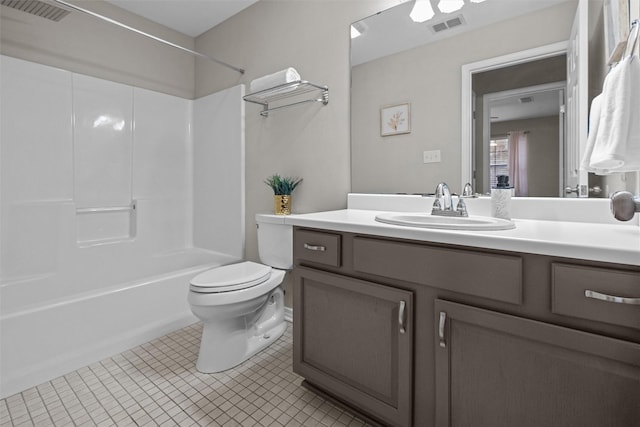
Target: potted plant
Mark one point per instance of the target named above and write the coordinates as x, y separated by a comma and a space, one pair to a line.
282, 188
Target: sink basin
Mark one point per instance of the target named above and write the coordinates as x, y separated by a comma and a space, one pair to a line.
425, 220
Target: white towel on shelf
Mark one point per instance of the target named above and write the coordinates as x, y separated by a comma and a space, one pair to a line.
288, 75
617, 143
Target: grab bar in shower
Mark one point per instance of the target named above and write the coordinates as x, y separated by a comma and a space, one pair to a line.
131, 207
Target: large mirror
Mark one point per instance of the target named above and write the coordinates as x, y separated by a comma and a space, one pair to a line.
407, 117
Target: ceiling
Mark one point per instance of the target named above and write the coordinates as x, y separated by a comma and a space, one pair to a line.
190, 17
543, 103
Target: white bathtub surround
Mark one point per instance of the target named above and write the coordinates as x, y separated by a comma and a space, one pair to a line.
77, 285
572, 228
219, 171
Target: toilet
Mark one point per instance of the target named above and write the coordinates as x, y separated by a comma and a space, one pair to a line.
242, 305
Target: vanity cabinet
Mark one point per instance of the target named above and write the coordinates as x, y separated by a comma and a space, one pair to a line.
494, 369
411, 333
354, 339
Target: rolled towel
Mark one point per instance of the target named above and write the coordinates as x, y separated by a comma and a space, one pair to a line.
278, 78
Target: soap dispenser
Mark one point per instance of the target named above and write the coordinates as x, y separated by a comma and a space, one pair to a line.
501, 198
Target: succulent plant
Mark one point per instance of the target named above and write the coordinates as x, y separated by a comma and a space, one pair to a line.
282, 186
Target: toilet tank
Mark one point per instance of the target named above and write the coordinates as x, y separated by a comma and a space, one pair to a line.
275, 241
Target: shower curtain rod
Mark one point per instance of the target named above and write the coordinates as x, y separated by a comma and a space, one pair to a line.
135, 30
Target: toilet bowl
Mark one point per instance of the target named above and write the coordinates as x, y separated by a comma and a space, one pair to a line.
242, 305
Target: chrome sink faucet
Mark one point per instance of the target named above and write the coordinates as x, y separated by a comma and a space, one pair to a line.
443, 193
443, 205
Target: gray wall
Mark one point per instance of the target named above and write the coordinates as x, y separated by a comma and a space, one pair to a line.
429, 78
310, 141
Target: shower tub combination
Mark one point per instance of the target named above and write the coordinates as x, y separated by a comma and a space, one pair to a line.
106, 213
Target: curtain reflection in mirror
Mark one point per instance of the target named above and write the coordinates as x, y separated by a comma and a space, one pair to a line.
518, 162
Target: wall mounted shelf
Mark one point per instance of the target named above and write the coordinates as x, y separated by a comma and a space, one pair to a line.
288, 95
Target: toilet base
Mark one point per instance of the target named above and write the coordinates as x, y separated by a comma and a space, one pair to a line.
258, 343
211, 364
227, 343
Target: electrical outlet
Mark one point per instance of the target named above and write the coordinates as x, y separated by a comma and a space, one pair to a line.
432, 156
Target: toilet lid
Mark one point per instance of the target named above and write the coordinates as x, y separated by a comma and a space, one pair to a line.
231, 277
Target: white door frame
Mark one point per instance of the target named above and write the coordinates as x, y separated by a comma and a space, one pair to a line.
487, 98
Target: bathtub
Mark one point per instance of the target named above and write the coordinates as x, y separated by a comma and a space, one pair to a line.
43, 338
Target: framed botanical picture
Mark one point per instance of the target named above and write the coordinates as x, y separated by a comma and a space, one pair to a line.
395, 119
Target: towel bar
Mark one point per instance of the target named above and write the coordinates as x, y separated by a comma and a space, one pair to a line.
287, 91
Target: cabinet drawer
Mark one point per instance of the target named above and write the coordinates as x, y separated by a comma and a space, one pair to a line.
494, 276
572, 283
317, 247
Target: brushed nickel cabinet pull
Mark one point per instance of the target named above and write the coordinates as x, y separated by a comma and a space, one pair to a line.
611, 298
403, 305
318, 248
443, 319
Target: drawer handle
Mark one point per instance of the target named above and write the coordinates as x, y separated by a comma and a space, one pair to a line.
611, 298
443, 319
318, 248
401, 316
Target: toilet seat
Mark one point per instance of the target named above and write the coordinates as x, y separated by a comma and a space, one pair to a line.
233, 277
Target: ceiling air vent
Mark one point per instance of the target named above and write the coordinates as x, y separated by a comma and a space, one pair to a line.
526, 99
454, 22
38, 8
439, 27
448, 24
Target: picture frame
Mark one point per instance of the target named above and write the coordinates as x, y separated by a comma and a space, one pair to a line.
395, 119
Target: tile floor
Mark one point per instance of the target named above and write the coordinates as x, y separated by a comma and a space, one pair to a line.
156, 384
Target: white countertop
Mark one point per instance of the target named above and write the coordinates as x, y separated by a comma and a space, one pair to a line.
582, 240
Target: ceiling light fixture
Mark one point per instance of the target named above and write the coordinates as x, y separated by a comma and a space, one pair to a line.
422, 11
448, 6
358, 28
477, 1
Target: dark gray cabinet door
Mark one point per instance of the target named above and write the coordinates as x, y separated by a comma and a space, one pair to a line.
354, 339
497, 370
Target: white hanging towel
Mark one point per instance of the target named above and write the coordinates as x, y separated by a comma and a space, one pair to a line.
617, 142
288, 75
594, 124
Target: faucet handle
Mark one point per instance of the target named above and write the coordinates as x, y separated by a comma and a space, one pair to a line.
462, 208
468, 191
437, 206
